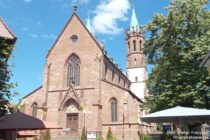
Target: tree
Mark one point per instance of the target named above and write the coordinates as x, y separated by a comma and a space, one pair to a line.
176, 46
83, 137
35, 138
100, 138
109, 135
6, 48
47, 135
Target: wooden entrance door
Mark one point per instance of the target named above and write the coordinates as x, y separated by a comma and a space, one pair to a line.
72, 123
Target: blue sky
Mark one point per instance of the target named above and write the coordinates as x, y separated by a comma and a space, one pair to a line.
37, 24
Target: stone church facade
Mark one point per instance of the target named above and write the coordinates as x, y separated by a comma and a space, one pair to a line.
82, 87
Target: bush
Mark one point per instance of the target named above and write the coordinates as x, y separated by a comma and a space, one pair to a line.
35, 138
47, 135
144, 137
99, 138
83, 137
109, 135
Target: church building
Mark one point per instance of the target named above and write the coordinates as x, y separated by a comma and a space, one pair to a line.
84, 88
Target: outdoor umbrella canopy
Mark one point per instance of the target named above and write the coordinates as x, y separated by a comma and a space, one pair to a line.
20, 121
178, 114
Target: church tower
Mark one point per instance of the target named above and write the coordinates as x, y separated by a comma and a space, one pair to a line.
136, 63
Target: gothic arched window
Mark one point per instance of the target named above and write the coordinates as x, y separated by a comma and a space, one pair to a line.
34, 109
73, 75
129, 46
140, 45
134, 45
113, 103
135, 63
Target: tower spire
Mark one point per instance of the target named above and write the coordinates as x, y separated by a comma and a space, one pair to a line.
134, 25
88, 25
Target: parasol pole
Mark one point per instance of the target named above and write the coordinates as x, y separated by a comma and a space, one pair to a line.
16, 134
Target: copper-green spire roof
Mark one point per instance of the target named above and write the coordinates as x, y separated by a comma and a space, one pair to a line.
88, 25
134, 22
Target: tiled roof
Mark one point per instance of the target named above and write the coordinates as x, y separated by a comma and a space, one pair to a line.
5, 32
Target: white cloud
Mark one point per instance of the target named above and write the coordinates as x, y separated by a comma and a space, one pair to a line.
48, 36
23, 19
6, 3
39, 23
27, 0
33, 35
84, 1
108, 14
24, 29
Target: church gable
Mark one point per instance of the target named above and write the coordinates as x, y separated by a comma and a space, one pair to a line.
75, 40
73, 34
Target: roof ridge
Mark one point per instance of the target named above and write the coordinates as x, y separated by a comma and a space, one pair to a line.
2, 21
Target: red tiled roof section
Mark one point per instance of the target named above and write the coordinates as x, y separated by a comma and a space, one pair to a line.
5, 32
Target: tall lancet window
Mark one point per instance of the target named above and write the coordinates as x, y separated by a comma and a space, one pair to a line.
34, 109
134, 45
73, 75
140, 45
113, 102
129, 46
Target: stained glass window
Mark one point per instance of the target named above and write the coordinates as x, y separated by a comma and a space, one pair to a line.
73, 76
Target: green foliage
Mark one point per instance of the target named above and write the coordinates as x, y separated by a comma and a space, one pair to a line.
22, 139
176, 47
109, 135
144, 137
35, 138
47, 135
84, 136
159, 127
6, 47
114, 138
99, 138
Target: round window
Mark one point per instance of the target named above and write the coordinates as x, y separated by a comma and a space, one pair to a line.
74, 38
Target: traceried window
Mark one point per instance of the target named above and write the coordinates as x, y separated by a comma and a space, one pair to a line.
113, 103
34, 109
134, 45
73, 75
